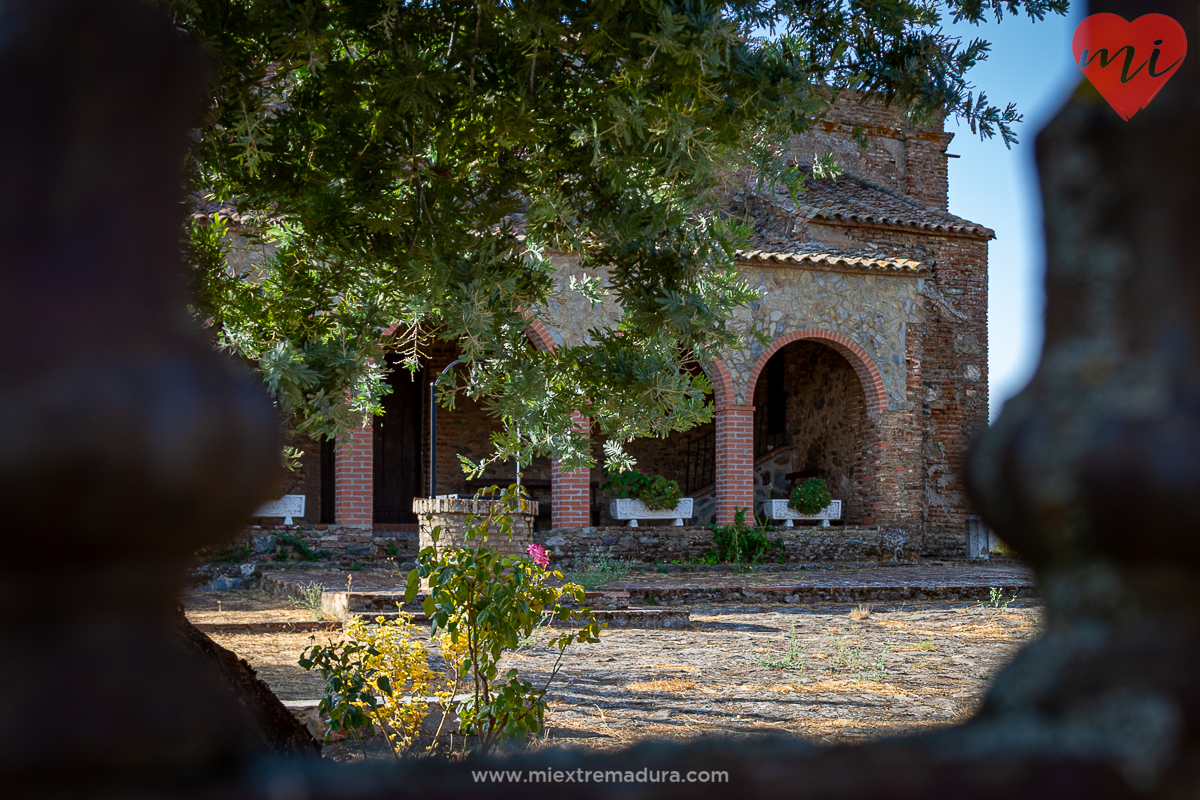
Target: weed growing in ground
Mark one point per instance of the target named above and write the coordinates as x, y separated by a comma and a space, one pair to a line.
599, 568
927, 645
878, 670
846, 656
527, 641
394, 569
310, 598
791, 658
740, 543
860, 612
996, 601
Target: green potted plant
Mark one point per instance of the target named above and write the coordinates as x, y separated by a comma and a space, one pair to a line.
640, 496
809, 501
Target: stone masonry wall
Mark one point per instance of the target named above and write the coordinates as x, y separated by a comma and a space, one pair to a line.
664, 545
875, 310
337, 544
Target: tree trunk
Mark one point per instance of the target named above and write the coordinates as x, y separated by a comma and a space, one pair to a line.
277, 728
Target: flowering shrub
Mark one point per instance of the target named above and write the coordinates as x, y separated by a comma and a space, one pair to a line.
481, 605
485, 604
539, 555
810, 497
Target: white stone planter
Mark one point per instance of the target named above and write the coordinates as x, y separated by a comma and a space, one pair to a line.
288, 506
633, 510
778, 509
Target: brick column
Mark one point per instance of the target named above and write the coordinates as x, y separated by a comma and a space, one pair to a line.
354, 479
571, 492
735, 461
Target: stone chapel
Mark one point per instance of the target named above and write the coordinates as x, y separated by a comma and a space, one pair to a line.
874, 300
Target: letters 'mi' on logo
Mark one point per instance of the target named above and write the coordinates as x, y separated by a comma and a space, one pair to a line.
1129, 62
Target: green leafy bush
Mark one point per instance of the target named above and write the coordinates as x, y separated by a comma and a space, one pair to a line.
487, 604
482, 605
283, 541
810, 497
740, 543
656, 492
379, 676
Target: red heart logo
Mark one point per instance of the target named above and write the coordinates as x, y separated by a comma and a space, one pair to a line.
1129, 62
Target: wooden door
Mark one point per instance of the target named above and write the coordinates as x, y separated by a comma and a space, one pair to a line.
398, 448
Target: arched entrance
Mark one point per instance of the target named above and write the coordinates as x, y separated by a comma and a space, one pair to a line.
811, 420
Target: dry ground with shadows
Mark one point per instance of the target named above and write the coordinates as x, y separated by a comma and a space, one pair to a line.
826, 673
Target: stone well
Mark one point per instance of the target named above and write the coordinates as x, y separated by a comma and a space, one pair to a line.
452, 514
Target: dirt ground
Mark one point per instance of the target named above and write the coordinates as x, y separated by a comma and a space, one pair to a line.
825, 673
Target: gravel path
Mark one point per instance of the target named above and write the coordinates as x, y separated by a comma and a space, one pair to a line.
814, 671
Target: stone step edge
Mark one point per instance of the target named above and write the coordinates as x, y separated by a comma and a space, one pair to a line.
621, 618
654, 618
271, 626
785, 593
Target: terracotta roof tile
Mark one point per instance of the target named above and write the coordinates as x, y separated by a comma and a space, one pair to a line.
828, 257
852, 199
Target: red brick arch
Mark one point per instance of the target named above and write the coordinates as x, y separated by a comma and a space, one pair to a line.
540, 336
722, 383
864, 367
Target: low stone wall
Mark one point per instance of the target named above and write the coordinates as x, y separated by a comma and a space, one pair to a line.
667, 544
345, 546
339, 544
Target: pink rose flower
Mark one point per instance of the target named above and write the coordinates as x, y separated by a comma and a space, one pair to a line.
539, 555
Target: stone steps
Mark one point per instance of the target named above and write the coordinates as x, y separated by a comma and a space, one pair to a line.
829, 588
814, 594
648, 618
270, 626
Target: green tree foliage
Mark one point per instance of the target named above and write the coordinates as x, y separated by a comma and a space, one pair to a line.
413, 162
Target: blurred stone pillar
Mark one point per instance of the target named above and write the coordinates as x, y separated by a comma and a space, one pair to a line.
127, 442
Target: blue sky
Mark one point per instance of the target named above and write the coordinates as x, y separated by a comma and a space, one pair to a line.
1031, 65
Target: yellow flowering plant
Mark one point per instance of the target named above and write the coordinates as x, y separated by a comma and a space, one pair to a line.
379, 675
